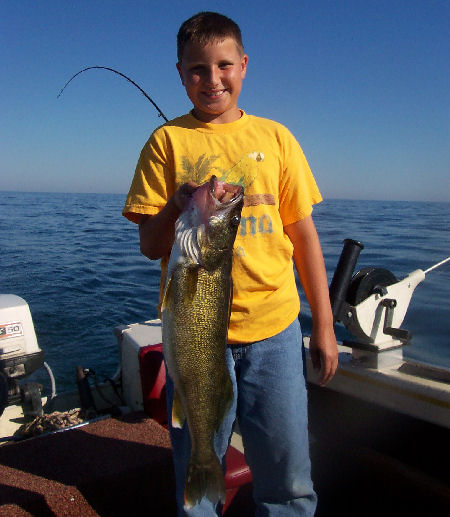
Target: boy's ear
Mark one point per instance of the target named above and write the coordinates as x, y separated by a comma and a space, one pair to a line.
180, 73
244, 63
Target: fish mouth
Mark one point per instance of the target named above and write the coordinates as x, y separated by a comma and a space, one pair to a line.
225, 194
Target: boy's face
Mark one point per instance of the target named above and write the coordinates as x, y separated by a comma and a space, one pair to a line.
212, 75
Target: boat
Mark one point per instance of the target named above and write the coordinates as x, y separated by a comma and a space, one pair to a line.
379, 431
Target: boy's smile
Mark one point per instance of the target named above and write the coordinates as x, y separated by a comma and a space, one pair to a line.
212, 75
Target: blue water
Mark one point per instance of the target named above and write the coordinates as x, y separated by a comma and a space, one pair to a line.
76, 261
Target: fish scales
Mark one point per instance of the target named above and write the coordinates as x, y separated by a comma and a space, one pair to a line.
203, 382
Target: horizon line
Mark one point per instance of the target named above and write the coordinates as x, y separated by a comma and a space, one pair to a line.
331, 198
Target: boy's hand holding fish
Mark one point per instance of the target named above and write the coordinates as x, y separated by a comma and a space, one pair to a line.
157, 232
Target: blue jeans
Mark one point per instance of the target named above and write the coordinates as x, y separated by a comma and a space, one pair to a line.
270, 404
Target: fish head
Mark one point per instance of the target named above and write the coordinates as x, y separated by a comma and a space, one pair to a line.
214, 210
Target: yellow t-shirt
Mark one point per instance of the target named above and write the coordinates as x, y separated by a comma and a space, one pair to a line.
279, 187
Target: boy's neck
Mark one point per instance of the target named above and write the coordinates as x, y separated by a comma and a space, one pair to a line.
223, 118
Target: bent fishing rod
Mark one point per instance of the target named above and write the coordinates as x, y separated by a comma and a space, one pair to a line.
160, 113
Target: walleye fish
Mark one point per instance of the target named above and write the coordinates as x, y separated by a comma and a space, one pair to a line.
195, 316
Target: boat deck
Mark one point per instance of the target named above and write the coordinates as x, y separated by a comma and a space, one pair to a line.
109, 467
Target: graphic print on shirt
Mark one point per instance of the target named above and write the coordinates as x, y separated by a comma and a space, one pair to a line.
242, 173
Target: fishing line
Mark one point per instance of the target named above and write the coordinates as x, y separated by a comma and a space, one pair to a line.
160, 113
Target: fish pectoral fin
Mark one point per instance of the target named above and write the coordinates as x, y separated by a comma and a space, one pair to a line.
166, 296
178, 416
226, 401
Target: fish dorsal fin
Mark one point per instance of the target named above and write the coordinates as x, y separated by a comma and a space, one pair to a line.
188, 237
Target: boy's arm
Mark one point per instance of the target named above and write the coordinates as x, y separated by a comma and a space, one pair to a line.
310, 266
156, 232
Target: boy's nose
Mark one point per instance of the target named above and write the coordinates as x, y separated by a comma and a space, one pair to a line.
213, 76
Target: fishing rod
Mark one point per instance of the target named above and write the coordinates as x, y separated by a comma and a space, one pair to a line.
437, 265
160, 113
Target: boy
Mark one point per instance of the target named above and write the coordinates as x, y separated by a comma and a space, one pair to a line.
264, 353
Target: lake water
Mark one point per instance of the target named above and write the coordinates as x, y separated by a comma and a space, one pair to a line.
76, 261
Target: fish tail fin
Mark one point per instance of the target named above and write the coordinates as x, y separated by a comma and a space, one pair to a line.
204, 480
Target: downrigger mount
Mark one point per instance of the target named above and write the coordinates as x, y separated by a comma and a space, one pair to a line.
372, 304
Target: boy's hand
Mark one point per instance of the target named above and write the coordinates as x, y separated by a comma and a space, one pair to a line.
310, 266
183, 193
156, 232
324, 353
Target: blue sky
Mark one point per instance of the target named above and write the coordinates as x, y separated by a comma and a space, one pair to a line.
363, 85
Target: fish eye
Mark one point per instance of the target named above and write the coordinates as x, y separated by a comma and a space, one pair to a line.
235, 220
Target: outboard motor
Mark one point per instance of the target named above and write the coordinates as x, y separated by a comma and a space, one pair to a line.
20, 356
